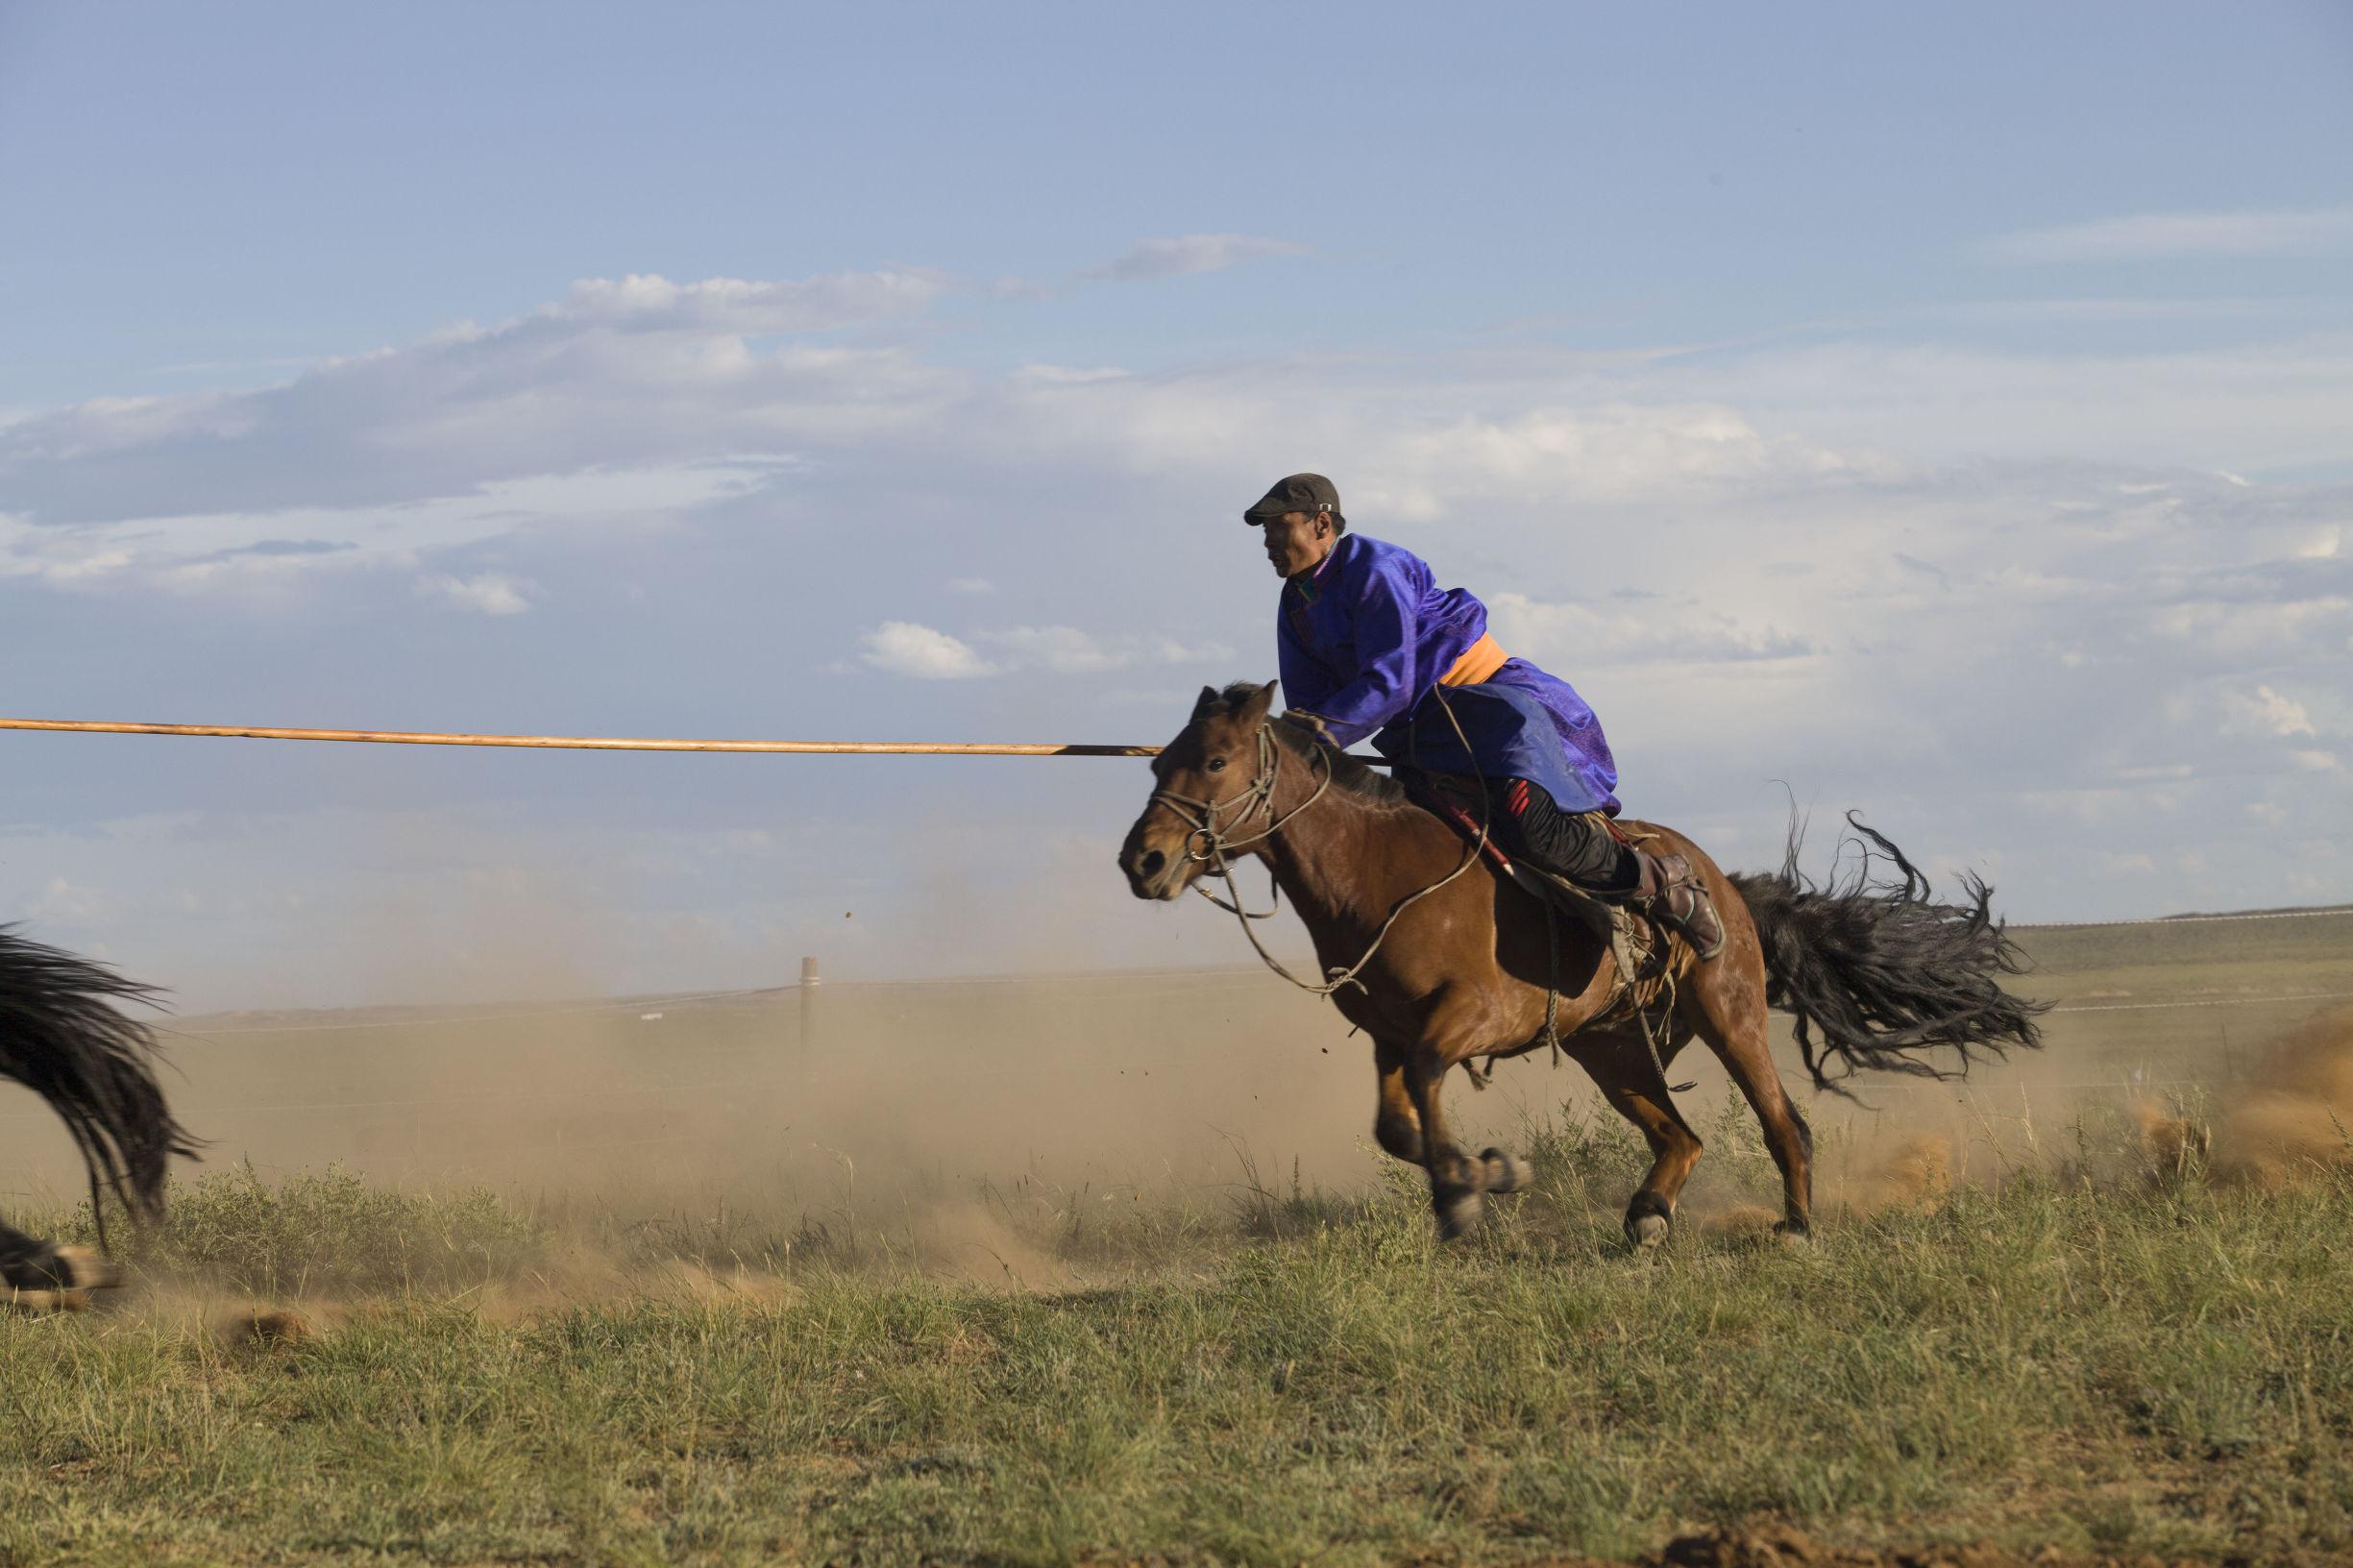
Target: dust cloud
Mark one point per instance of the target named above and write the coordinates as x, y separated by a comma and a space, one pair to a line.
2294, 1117
984, 1130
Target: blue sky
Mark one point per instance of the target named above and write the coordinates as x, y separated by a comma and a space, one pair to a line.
1940, 411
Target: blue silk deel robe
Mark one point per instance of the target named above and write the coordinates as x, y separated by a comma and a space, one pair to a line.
1363, 640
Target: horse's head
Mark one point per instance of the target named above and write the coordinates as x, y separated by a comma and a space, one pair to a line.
1210, 781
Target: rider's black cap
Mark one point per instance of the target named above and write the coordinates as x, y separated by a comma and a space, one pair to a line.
1300, 493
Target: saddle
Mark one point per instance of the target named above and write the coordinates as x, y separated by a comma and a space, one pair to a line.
1640, 947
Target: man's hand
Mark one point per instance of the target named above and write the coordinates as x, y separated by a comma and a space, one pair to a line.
1315, 722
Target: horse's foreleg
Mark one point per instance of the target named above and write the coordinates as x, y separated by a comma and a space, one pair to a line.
1397, 1126
1455, 1179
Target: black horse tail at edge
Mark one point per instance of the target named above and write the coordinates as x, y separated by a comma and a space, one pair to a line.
1882, 970
63, 1036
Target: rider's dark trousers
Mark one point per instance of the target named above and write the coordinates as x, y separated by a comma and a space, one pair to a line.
1530, 825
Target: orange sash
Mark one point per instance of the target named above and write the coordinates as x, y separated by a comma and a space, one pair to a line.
1478, 663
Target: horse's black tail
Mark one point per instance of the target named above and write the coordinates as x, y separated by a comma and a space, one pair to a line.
62, 1037
1882, 970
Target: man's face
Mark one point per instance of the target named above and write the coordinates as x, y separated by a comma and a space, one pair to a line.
1297, 542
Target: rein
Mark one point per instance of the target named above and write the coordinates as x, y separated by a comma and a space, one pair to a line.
1215, 846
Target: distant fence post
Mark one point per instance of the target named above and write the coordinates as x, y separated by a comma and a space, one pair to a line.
807, 1062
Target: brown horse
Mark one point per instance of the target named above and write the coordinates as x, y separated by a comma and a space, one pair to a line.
1462, 970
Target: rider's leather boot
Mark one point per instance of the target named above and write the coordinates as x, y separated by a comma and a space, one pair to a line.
1678, 899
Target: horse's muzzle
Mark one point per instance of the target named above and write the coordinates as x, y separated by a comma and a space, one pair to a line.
1153, 873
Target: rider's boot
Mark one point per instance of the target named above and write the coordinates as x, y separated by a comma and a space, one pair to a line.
1574, 847
1677, 898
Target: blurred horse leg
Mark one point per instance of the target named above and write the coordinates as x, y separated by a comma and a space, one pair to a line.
36, 1273
23, 1259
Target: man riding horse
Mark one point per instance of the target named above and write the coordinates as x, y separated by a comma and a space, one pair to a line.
1367, 638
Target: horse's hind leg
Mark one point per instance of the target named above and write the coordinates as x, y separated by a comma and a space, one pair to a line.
1633, 1086
1730, 1015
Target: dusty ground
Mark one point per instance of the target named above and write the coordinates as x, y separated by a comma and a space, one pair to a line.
1033, 1257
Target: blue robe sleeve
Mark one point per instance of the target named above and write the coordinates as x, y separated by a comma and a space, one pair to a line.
1305, 683
1382, 622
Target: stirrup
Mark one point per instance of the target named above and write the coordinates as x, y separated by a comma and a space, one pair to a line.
1679, 900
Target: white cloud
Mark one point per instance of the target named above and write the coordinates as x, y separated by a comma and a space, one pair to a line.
230, 549
2258, 629
1064, 650
1189, 253
644, 303
903, 647
2154, 234
489, 593
2266, 403
971, 586
624, 376
1609, 450
2268, 713
1570, 635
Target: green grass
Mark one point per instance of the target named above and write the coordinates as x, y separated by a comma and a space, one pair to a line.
2137, 1361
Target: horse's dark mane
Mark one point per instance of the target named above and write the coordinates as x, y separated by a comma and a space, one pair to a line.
1348, 774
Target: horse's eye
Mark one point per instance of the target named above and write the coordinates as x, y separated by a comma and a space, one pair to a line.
1217, 765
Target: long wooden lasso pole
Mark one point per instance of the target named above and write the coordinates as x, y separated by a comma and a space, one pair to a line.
591, 743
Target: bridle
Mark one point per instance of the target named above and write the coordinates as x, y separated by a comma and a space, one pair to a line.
1209, 845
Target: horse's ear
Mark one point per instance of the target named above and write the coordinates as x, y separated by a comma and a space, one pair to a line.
1206, 701
1258, 704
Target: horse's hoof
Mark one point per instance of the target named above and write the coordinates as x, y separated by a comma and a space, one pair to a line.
1649, 1220
1794, 1229
85, 1268
1456, 1214
1505, 1172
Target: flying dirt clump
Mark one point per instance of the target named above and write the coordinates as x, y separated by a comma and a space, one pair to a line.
270, 1327
1914, 1171
1750, 1224
2293, 1119
2171, 1145
1917, 1173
